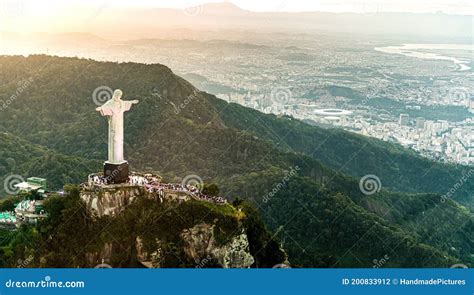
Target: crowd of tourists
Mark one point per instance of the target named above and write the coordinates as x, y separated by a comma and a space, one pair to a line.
154, 186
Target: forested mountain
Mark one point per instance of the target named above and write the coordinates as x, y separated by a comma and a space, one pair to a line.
21, 157
316, 209
398, 168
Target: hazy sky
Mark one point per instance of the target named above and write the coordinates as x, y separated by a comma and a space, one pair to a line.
447, 6
65, 15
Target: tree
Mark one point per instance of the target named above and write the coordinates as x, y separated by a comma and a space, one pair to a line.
211, 189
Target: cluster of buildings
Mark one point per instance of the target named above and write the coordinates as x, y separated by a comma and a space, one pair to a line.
30, 209
439, 140
249, 76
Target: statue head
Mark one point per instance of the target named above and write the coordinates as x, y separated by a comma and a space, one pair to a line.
117, 95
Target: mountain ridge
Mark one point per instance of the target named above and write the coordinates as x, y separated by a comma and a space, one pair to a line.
178, 130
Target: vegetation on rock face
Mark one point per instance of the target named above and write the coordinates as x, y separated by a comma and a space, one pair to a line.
319, 214
69, 236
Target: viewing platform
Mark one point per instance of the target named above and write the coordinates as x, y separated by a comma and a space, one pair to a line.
110, 199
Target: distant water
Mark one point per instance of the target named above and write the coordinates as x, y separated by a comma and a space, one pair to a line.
413, 50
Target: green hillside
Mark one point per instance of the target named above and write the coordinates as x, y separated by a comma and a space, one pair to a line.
319, 215
398, 168
21, 157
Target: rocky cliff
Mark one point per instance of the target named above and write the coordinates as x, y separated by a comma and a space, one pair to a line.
110, 202
139, 229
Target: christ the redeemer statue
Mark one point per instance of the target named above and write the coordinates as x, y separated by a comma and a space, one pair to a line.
116, 166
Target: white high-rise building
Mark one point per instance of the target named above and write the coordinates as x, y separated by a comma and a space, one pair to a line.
404, 120
420, 123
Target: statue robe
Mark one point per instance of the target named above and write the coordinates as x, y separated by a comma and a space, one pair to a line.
114, 110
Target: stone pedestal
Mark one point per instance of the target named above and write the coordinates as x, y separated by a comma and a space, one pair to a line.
116, 173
